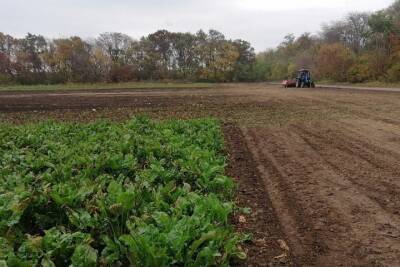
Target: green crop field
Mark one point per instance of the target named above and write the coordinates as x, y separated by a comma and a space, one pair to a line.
140, 193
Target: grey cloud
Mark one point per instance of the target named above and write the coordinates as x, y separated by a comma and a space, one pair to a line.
87, 18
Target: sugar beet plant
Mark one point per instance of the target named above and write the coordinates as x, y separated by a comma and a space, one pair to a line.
142, 193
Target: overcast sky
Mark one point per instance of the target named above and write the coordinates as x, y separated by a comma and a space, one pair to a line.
262, 22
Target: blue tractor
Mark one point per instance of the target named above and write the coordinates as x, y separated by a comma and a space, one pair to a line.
304, 79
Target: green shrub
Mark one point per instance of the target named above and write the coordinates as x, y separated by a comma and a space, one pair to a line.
393, 74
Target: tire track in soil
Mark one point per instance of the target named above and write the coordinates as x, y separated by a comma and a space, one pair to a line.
375, 223
262, 222
357, 109
329, 217
310, 194
291, 215
375, 183
380, 134
367, 145
376, 162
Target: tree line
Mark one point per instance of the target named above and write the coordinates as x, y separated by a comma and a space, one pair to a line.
116, 57
362, 47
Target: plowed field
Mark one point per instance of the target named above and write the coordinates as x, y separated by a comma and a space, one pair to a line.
319, 168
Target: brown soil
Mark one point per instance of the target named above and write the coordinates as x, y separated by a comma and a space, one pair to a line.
336, 197
319, 168
262, 221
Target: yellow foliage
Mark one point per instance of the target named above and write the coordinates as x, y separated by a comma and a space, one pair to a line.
333, 62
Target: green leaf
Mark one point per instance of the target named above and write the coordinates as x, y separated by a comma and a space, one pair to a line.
84, 256
127, 200
47, 263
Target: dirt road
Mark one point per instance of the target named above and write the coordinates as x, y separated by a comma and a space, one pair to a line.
319, 168
369, 88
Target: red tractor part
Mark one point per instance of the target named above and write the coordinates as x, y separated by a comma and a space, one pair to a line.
289, 83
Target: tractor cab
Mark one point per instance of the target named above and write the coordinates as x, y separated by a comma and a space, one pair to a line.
304, 79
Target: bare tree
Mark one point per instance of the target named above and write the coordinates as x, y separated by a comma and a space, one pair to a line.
115, 45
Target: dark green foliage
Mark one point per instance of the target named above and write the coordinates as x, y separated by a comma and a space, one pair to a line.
135, 194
